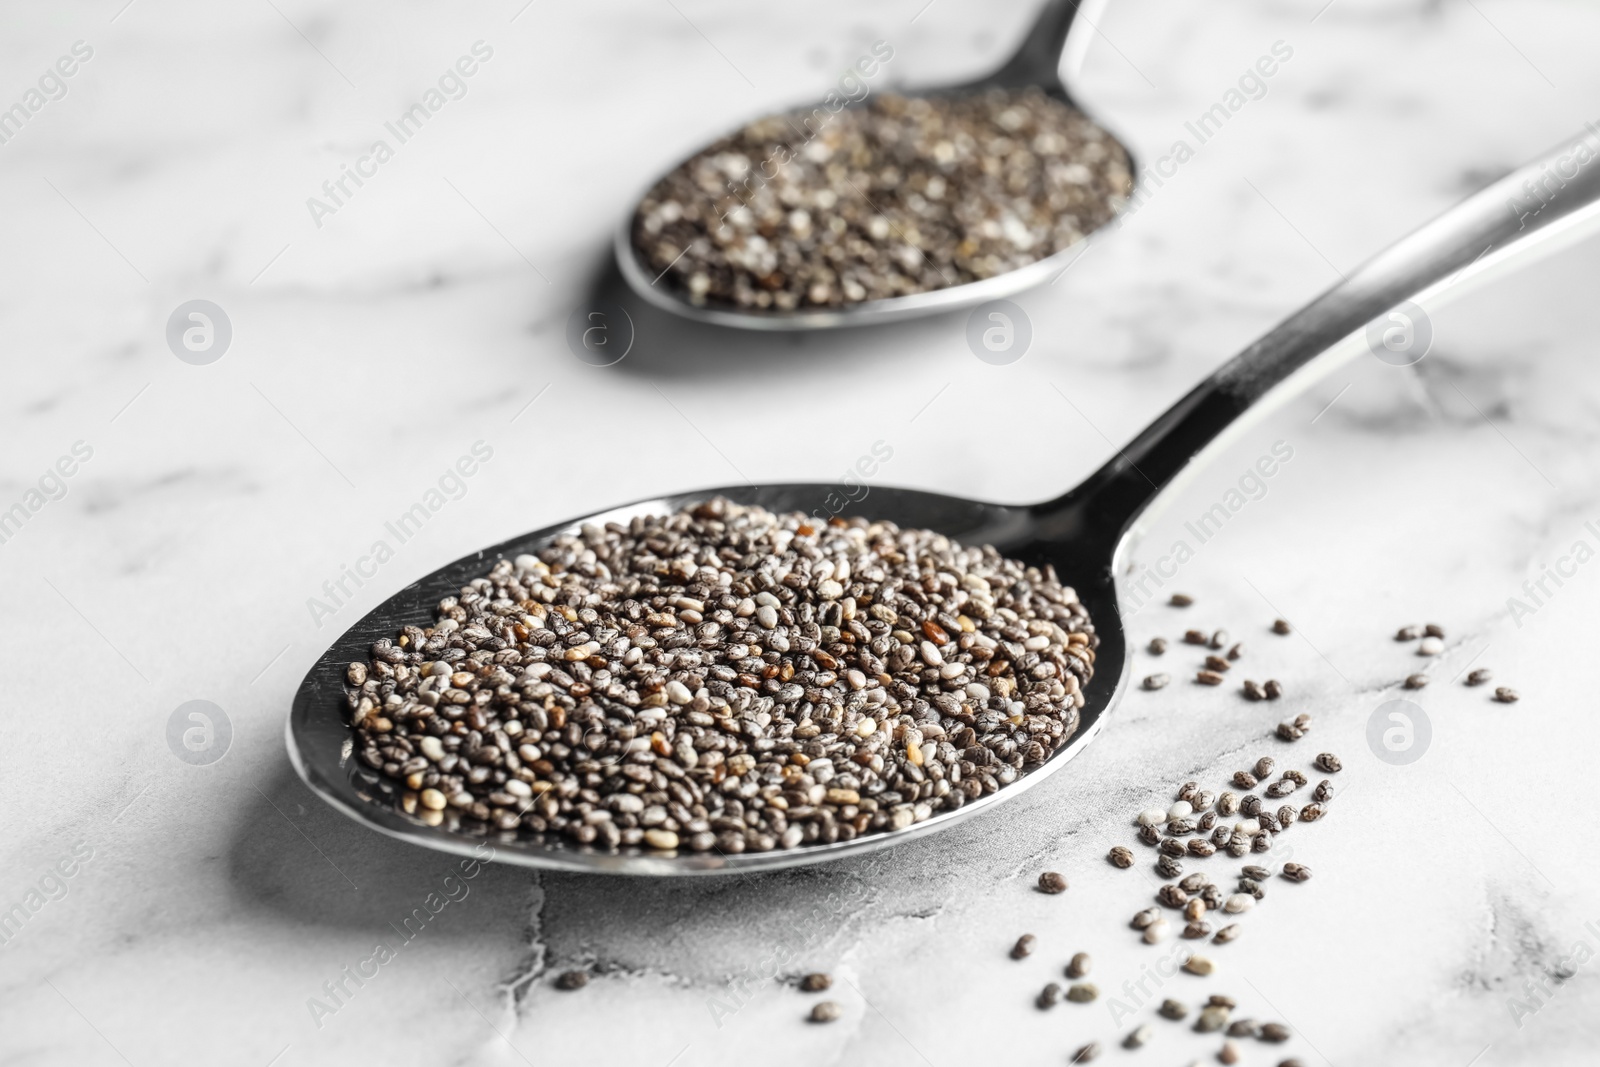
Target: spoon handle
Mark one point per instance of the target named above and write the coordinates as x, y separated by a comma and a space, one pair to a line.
1553, 187
1038, 60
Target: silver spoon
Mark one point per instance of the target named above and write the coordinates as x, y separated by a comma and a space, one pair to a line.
1087, 533
1036, 64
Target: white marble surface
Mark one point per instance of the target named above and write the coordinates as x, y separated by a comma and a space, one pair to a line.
430, 309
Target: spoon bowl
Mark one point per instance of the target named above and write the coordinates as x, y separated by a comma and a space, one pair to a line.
1036, 64
1085, 534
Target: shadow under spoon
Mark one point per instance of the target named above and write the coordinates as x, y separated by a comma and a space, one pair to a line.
1084, 533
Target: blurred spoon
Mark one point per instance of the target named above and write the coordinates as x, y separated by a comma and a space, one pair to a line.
1035, 64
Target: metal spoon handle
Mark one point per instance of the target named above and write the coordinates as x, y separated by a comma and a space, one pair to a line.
1552, 187
1038, 60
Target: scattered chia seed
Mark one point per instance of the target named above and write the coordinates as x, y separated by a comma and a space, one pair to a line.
1430, 646
1194, 637
1328, 763
1212, 1018
1086, 1053
1199, 965
1479, 676
1051, 882
1229, 1053
1208, 678
1141, 1035
1433, 629
1181, 600
1079, 965
1049, 996
1157, 681
1416, 681
1024, 947
816, 983
1296, 872
1275, 1032
825, 1011
1120, 857
1172, 1009
1158, 645
1264, 766
1506, 695
1281, 626
1273, 689
1407, 633
1082, 992
865, 675
900, 195
570, 980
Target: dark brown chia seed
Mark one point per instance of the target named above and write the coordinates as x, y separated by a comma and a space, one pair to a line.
1274, 1032
1080, 964
1479, 676
1281, 626
1086, 1053
1273, 689
1024, 947
1172, 1009
1051, 882
1296, 872
1181, 600
1433, 629
1264, 766
1049, 996
1506, 695
1158, 645
897, 196
1120, 857
1218, 664
570, 980
1194, 637
1323, 792
1416, 681
1407, 633
816, 983
1328, 763
725, 678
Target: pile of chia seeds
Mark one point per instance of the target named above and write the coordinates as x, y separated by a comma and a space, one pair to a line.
900, 195
725, 678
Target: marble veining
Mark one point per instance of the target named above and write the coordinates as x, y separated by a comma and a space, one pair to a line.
1452, 917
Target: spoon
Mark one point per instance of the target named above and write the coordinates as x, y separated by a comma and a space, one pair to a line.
1036, 64
1087, 533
